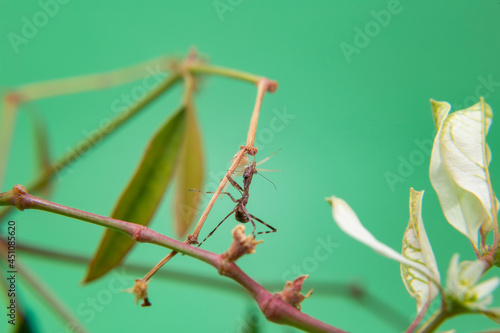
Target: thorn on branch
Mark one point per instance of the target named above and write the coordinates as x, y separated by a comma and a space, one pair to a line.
242, 244
291, 293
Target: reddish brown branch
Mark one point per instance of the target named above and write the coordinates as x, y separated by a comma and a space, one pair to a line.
272, 305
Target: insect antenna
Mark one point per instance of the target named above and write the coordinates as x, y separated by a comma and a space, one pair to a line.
267, 180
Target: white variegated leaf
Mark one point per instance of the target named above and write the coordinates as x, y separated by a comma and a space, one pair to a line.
416, 247
347, 220
459, 167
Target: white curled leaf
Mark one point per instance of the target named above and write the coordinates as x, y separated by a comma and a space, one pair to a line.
416, 247
347, 220
459, 167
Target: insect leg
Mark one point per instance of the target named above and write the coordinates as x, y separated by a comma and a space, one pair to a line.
235, 184
249, 217
230, 195
218, 225
267, 225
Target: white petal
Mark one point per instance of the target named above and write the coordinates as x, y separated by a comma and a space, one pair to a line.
471, 271
453, 285
486, 288
349, 223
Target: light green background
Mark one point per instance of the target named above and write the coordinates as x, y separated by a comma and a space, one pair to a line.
354, 121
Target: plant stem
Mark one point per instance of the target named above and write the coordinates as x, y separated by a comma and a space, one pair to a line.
189, 84
419, 317
201, 68
274, 307
435, 321
7, 122
262, 86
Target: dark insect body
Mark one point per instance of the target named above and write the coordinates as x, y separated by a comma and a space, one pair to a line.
240, 211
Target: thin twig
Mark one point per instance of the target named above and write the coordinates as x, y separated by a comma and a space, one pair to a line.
201, 68
263, 85
413, 326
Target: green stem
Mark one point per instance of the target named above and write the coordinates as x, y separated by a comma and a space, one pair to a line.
435, 321
200, 68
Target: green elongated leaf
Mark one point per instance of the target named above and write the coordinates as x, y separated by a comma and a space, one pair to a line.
416, 247
189, 175
459, 167
140, 199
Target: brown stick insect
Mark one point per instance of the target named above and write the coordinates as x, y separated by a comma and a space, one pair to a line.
240, 211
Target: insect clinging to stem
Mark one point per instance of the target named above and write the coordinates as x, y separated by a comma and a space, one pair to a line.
240, 211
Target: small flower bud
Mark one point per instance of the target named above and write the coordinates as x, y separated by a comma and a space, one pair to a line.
242, 244
140, 290
291, 293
